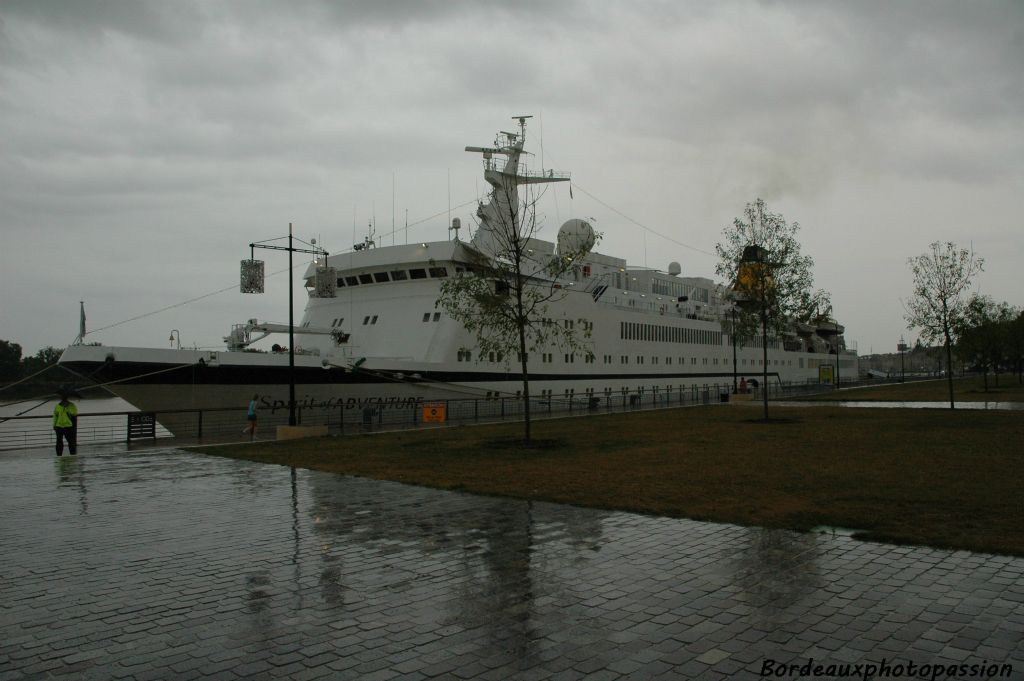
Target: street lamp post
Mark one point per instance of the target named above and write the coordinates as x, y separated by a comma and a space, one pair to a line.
835, 327
754, 282
902, 347
732, 335
835, 339
291, 310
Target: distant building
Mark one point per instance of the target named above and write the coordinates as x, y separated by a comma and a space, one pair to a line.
919, 361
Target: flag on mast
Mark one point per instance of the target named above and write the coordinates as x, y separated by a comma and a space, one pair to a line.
81, 322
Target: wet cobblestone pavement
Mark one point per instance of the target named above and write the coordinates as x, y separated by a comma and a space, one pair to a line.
170, 565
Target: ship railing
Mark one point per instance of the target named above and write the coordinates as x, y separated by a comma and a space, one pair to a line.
188, 426
498, 165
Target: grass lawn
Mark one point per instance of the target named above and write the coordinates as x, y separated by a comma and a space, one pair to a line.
940, 478
970, 389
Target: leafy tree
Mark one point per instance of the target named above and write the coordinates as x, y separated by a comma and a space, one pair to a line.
10, 361
1015, 342
511, 279
975, 334
937, 307
46, 357
985, 335
772, 279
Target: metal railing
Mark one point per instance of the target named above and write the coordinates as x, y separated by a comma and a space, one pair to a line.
212, 425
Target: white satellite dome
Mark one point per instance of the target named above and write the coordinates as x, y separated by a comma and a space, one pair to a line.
674, 269
576, 236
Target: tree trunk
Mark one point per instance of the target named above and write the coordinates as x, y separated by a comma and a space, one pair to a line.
523, 362
949, 352
949, 370
526, 385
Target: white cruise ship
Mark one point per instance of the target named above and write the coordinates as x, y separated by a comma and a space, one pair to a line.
373, 334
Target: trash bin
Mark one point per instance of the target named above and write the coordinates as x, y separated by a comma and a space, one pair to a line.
593, 403
723, 397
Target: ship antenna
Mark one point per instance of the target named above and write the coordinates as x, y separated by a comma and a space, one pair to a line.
542, 140
522, 124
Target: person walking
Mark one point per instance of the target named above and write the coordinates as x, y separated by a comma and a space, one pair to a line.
251, 417
65, 423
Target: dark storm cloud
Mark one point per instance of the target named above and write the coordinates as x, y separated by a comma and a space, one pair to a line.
507, 19
909, 87
158, 120
163, 22
927, 88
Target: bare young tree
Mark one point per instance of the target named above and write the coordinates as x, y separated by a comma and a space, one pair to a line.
770, 277
504, 298
937, 306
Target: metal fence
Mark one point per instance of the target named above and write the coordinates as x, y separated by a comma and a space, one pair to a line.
212, 425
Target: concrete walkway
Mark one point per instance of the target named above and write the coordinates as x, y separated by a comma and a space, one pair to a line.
171, 565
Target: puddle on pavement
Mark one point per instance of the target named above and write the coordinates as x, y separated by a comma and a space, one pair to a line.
835, 531
1011, 406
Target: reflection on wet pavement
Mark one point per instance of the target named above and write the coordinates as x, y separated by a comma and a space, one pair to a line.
165, 564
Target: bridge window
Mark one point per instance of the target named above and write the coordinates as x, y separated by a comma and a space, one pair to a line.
418, 274
398, 275
365, 279
381, 277
438, 272
351, 281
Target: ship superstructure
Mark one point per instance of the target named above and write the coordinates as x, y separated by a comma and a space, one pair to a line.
372, 328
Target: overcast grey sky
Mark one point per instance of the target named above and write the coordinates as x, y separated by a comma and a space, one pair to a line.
143, 145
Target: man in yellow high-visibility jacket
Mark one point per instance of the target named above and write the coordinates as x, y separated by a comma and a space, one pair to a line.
65, 423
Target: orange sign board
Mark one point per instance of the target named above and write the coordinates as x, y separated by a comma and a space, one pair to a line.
433, 412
